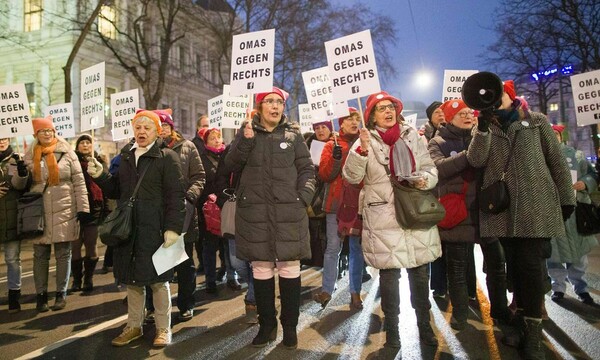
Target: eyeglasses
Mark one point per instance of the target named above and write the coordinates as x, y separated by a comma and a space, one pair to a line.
270, 102
382, 108
465, 114
46, 132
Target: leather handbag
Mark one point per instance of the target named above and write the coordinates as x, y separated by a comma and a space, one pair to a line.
228, 214
495, 198
30, 215
587, 218
456, 208
118, 226
212, 215
415, 209
349, 222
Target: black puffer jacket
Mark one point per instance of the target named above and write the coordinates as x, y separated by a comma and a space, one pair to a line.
277, 182
8, 202
159, 207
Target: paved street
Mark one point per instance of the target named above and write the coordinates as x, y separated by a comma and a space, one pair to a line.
219, 329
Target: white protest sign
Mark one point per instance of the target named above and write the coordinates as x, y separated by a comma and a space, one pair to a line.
252, 62
215, 112
317, 84
234, 109
453, 82
586, 96
63, 119
352, 67
123, 106
15, 118
411, 120
92, 97
305, 118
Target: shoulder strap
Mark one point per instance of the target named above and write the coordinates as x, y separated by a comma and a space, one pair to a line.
512, 147
137, 186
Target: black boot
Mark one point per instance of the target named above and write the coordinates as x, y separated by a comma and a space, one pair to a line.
13, 301
418, 281
389, 289
264, 291
42, 302
60, 302
532, 341
89, 266
77, 271
290, 310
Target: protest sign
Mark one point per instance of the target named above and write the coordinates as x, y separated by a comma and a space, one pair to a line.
252, 62
317, 84
123, 106
92, 97
305, 118
63, 119
453, 82
215, 112
411, 120
15, 117
586, 97
234, 108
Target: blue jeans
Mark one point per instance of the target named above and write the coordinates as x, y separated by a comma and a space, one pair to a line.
12, 256
244, 272
332, 254
568, 271
357, 262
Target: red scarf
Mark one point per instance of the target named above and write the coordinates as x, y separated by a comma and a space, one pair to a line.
390, 137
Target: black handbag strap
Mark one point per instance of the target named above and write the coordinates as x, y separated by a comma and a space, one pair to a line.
512, 147
137, 186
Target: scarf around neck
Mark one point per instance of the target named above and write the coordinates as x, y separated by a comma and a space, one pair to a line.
402, 160
217, 151
48, 152
6, 153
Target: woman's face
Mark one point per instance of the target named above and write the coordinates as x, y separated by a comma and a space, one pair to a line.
271, 109
506, 102
350, 125
322, 132
464, 119
4, 144
45, 136
144, 132
165, 131
385, 114
214, 139
85, 147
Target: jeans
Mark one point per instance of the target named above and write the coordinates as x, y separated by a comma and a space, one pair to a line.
12, 256
332, 254
41, 266
569, 271
186, 281
357, 262
244, 271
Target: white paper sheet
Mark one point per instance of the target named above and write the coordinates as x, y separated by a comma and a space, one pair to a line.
316, 148
167, 258
574, 179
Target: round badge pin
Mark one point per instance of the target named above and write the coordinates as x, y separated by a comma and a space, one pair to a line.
283, 145
524, 123
453, 153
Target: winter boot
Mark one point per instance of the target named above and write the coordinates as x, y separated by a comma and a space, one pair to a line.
418, 281
60, 302
42, 302
290, 310
264, 291
77, 271
13, 301
532, 340
89, 266
389, 288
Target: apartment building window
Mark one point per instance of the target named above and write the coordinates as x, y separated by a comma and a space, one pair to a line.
109, 92
182, 58
553, 107
185, 121
33, 15
106, 22
30, 89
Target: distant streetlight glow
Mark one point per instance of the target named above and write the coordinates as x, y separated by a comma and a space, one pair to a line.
423, 79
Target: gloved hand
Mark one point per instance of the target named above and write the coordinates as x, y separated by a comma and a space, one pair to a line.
336, 154
567, 210
483, 120
84, 217
21, 167
94, 168
170, 238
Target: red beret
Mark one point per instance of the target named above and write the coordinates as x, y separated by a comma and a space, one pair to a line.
373, 99
509, 88
208, 132
559, 128
260, 96
451, 108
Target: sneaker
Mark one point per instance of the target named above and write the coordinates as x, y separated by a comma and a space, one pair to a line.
149, 318
186, 315
586, 298
163, 337
557, 295
322, 298
128, 335
439, 294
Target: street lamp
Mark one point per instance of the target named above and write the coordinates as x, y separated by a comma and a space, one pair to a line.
423, 80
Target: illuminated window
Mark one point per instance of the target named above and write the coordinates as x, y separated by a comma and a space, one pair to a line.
553, 107
33, 15
30, 90
106, 22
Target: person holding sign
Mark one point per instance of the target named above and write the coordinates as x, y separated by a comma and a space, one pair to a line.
58, 175
277, 182
159, 213
387, 145
13, 180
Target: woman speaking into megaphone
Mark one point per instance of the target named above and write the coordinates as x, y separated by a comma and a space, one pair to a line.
525, 196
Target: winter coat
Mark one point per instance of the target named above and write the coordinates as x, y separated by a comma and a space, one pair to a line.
570, 248
429, 130
330, 171
193, 182
277, 183
385, 244
62, 202
159, 206
8, 202
448, 150
538, 178
98, 208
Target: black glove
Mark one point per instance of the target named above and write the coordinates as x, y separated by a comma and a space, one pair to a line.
337, 153
22, 168
483, 120
84, 217
567, 210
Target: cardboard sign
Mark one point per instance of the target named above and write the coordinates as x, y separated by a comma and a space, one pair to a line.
586, 97
411, 120
63, 119
123, 106
252, 62
305, 118
352, 67
234, 108
15, 118
215, 112
92, 97
453, 82
317, 84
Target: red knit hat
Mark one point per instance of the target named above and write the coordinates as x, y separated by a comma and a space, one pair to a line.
165, 116
451, 108
351, 110
373, 99
201, 133
509, 88
283, 94
150, 115
42, 123
208, 132
559, 128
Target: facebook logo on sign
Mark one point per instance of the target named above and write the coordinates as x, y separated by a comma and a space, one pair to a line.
597, 116
13, 130
355, 89
250, 85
